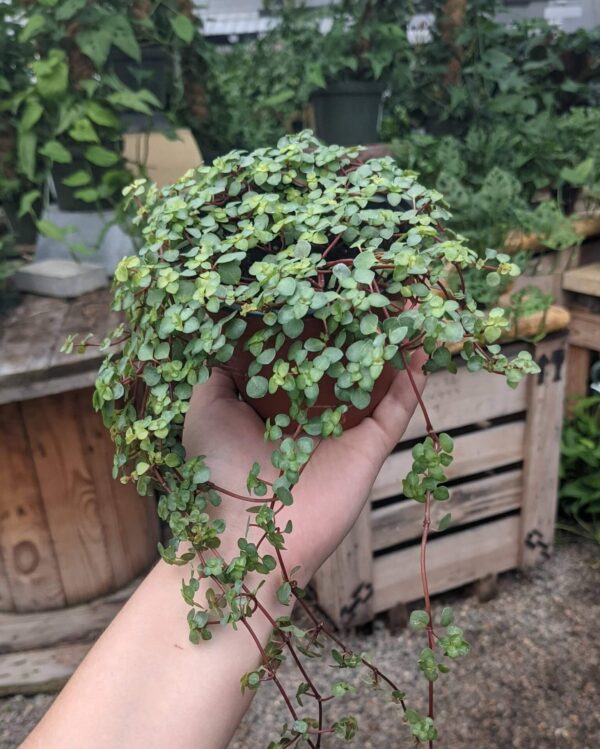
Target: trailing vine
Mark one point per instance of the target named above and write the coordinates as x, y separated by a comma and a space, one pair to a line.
305, 271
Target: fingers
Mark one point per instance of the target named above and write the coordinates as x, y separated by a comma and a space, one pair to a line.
220, 384
391, 417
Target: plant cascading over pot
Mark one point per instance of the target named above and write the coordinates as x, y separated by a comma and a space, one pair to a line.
312, 276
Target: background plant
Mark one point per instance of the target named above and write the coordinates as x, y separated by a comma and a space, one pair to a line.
21, 179
285, 236
579, 494
258, 90
68, 108
502, 71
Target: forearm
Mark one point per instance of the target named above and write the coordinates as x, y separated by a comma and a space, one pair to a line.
145, 685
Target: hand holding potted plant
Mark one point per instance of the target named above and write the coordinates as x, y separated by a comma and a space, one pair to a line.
308, 278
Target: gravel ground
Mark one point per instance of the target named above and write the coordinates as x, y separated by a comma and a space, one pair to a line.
532, 680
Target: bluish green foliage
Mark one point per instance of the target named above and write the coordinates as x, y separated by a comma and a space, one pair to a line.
579, 494
283, 236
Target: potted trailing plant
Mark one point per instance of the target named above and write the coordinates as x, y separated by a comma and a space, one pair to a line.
310, 276
347, 64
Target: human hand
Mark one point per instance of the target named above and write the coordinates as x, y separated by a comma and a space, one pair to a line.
334, 485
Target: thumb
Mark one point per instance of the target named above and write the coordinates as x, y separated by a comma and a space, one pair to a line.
392, 416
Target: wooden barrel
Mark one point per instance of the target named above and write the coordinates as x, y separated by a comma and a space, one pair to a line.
68, 532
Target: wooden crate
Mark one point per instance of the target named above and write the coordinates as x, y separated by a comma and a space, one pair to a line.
582, 289
546, 269
503, 486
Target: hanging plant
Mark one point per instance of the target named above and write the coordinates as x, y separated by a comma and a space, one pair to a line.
311, 277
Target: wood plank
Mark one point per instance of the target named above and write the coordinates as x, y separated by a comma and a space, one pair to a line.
586, 225
590, 252
465, 398
31, 338
542, 448
344, 583
480, 450
546, 271
25, 542
28, 335
6, 601
42, 629
130, 522
90, 313
469, 502
36, 671
452, 561
21, 391
584, 280
548, 284
585, 330
578, 374
69, 496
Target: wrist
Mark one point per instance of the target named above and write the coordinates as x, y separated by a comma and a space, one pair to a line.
263, 588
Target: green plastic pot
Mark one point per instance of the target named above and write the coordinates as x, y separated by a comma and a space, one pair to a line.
348, 112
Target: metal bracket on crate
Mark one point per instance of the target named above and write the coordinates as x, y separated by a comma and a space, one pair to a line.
558, 359
359, 596
535, 540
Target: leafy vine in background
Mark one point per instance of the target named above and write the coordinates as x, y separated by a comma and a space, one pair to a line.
579, 493
256, 246
18, 189
67, 109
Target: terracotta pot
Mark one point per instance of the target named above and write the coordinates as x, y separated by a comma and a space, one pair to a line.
270, 405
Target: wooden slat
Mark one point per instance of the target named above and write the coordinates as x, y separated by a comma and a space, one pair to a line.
130, 522
590, 252
28, 336
22, 391
542, 451
584, 280
69, 496
6, 601
25, 543
471, 501
344, 583
482, 449
578, 374
36, 671
465, 398
585, 330
452, 561
19, 632
31, 336
546, 272
90, 313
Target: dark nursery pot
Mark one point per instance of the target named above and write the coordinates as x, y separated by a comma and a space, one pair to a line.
567, 197
151, 73
348, 112
269, 405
